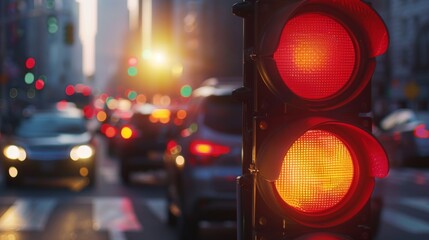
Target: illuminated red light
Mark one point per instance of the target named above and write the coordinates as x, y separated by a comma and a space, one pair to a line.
207, 148
421, 132
30, 63
39, 84
132, 61
110, 132
69, 90
88, 111
316, 56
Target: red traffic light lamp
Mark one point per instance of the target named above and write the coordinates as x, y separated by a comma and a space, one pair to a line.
309, 159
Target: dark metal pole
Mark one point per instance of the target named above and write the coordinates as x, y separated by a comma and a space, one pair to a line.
245, 183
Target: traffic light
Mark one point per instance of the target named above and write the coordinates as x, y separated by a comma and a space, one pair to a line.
69, 34
52, 24
309, 158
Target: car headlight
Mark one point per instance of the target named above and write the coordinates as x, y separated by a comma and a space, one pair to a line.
81, 152
14, 152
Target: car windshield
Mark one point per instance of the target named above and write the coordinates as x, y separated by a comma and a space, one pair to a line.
50, 125
223, 114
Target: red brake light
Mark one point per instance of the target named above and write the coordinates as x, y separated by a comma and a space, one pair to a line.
206, 149
316, 56
421, 132
171, 145
110, 132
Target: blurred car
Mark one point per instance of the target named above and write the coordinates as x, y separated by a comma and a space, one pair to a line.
203, 161
111, 129
49, 144
141, 141
405, 136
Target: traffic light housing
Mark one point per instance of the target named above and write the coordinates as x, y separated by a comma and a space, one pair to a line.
69, 34
310, 165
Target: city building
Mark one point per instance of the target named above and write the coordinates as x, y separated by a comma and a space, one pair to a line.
40, 51
405, 68
211, 38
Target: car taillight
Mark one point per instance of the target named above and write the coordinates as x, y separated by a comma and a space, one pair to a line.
202, 151
108, 130
127, 132
421, 131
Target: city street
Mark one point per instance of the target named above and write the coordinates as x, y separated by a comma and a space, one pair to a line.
68, 210
110, 210
406, 205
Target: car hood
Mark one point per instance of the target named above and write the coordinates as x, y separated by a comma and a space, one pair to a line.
59, 140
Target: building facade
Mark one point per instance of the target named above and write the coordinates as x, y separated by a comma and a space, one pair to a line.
36, 29
406, 68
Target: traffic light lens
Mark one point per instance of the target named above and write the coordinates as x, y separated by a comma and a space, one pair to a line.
317, 172
316, 56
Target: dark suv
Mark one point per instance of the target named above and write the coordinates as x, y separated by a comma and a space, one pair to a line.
204, 160
142, 142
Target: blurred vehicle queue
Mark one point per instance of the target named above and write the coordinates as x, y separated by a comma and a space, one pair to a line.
405, 136
204, 160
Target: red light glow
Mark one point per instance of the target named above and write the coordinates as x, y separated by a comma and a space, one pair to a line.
69, 90
39, 84
30, 63
421, 132
207, 148
316, 56
110, 132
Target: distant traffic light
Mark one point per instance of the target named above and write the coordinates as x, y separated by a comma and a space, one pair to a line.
52, 24
186, 91
132, 69
309, 156
39, 84
69, 34
30, 63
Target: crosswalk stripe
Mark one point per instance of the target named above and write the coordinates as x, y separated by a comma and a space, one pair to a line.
27, 214
157, 206
405, 222
114, 214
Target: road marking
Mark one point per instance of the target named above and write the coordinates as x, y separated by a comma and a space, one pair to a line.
116, 215
157, 207
421, 204
27, 214
405, 222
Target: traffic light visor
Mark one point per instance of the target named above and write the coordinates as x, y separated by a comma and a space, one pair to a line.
317, 172
316, 56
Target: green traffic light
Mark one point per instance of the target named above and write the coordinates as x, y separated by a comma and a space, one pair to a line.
52, 24
132, 71
186, 91
29, 78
